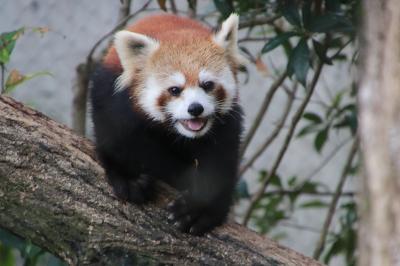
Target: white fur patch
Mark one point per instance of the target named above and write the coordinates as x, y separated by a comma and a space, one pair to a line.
148, 97
191, 134
227, 38
177, 79
178, 109
229, 28
152, 91
130, 47
226, 79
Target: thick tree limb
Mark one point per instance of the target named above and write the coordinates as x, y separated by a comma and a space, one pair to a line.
53, 192
379, 102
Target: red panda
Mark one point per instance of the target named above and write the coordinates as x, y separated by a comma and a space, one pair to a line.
165, 107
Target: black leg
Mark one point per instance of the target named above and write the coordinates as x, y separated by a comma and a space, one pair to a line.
126, 183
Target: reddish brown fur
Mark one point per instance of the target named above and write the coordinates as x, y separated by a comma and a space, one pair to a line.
163, 100
220, 94
185, 46
164, 28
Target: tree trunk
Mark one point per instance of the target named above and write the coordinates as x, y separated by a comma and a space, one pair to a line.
53, 192
379, 99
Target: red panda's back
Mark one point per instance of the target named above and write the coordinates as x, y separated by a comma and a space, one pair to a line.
162, 28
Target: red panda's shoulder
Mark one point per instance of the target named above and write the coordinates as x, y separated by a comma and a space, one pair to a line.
160, 28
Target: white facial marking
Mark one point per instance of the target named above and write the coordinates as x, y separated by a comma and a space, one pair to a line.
178, 108
128, 56
229, 28
227, 38
148, 99
154, 89
226, 80
177, 79
191, 134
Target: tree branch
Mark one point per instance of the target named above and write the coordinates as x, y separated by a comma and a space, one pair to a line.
332, 207
295, 120
3, 73
273, 135
261, 113
174, 10
54, 193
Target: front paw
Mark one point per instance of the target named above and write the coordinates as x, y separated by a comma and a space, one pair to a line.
138, 190
141, 189
193, 218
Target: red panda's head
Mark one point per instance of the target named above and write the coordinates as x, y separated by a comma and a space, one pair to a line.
184, 78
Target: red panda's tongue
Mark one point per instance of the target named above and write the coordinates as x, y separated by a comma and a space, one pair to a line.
195, 124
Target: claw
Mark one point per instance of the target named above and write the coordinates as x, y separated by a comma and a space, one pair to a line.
171, 217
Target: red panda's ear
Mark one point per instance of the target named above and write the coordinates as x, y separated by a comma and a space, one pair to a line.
227, 38
132, 47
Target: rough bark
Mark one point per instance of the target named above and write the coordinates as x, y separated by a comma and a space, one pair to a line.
53, 191
379, 98
79, 101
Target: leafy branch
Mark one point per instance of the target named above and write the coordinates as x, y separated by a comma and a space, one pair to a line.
332, 207
295, 120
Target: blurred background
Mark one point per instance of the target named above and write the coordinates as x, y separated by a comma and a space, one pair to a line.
299, 160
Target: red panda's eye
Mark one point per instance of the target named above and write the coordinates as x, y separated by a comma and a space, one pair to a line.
174, 91
208, 85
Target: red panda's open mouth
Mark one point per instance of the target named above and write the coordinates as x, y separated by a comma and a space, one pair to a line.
195, 124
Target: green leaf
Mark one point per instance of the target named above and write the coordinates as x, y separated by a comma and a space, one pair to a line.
242, 189
330, 22
313, 117
350, 121
333, 5
7, 257
276, 181
314, 204
338, 99
12, 240
277, 40
306, 13
321, 138
291, 13
299, 61
224, 7
335, 249
321, 52
309, 187
292, 181
7, 44
15, 78
307, 130
293, 197
262, 174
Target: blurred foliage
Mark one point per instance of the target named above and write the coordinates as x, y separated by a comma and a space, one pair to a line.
279, 203
307, 31
344, 241
13, 248
7, 45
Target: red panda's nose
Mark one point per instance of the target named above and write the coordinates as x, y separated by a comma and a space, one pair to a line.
195, 109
